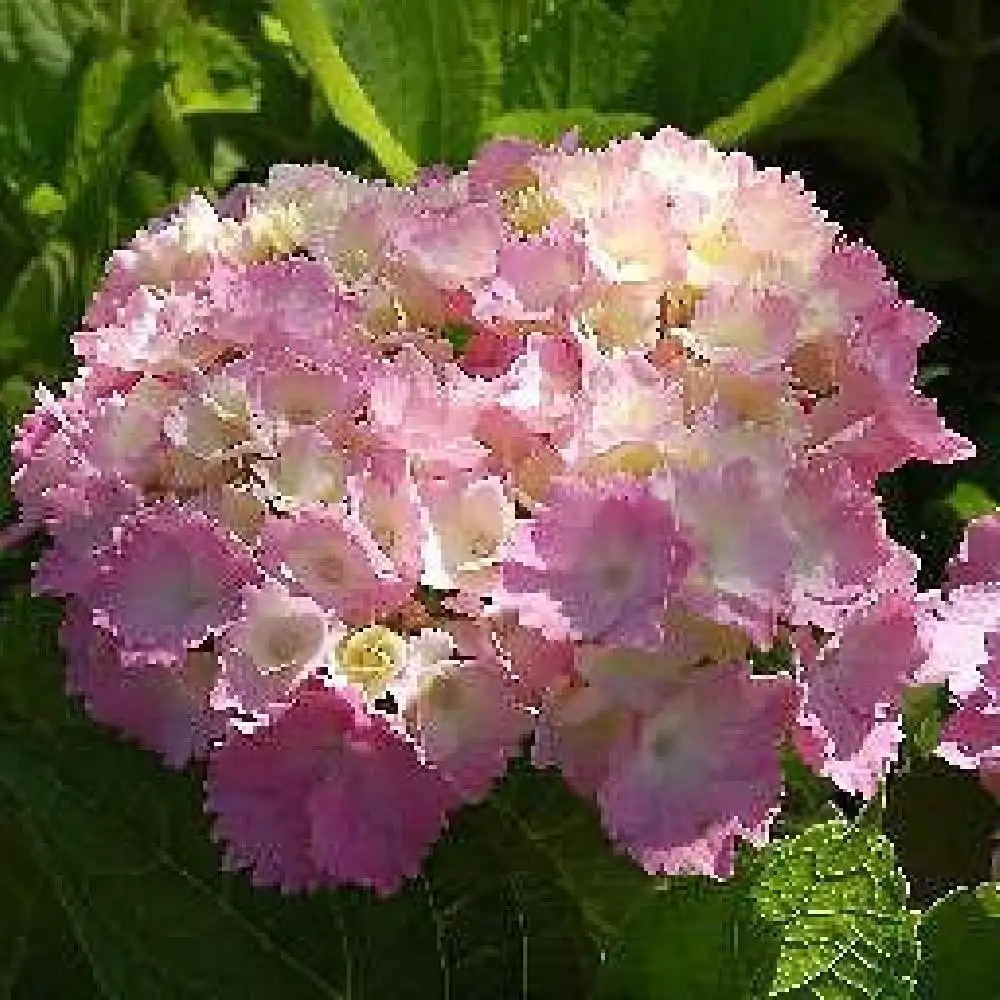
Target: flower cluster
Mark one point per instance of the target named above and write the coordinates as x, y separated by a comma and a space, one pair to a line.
363, 490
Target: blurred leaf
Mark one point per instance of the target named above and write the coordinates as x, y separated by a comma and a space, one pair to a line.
834, 33
924, 708
596, 128
311, 31
117, 95
942, 822
939, 241
969, 500
18, 894
26, 318
556, 52
960, 937
215, 72
41, 55
148, 927
45, 201
865, 114
840, 906
44, 32
694, 938
730, 67
31, 676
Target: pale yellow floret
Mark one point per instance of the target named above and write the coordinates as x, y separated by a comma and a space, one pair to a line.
371, 658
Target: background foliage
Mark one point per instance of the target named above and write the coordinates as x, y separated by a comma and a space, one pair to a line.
111, 110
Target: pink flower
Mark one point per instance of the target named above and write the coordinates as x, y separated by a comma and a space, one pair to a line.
163, 705
743, 542
466, 715
325, 795
278, 642
334, 559
877, 427
702, 771
956, 629
500, 164
851, 713
452, 247
609, 555
170, 580
978, 559
970, 738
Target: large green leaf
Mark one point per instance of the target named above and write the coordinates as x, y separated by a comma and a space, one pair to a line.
314, 38
148, 926
693, 939
821, 916
960, 935
435, 73
42, 52
19, 890
840, 905
31, 680
824, 36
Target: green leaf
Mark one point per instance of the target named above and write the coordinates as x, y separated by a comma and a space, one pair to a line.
835, 33
43, 48
19, 892
117, 94
694, 938
149, 927
596, 128
556, 52
215, 72
960, 938
969, 500
938, 856
517, 899
27, 317
866, 115
311, 34
840, 906
730, 67
44, 32
45, 202
31, 677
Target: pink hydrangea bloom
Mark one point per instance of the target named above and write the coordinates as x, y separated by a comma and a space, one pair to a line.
978, 559
702, 771
162, 704
610, 556
192, 592
280, 473
278, 642
334, 559
466, 715
851, 713
325, 795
